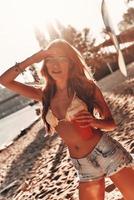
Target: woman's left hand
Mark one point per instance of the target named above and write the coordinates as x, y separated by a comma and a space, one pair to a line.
85, 119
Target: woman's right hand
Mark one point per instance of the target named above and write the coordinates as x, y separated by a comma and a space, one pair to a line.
40, 55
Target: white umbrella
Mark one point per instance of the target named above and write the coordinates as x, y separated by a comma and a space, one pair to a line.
110, 31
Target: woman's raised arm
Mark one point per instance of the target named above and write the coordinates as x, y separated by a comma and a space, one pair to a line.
8, 78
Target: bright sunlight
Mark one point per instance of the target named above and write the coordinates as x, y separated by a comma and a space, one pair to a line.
19, 18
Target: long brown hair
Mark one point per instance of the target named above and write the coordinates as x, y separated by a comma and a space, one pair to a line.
77, 82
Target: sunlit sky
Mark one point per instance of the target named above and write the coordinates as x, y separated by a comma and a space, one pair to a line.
18, 18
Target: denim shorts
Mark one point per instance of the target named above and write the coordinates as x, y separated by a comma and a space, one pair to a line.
107, 158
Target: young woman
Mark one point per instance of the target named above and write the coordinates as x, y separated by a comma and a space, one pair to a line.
74, 106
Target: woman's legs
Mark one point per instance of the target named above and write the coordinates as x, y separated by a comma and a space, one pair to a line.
124, 180
92, 190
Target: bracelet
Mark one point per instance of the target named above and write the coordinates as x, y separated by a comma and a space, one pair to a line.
18, 68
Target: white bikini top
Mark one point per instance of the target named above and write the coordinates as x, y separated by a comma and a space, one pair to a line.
75, 106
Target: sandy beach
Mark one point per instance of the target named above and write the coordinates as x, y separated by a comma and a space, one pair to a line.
37, 166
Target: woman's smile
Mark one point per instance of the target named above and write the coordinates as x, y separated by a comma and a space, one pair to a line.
56, 72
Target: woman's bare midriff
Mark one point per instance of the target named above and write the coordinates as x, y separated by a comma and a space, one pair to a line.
77, 146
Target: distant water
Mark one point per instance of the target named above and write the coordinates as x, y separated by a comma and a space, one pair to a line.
12, 125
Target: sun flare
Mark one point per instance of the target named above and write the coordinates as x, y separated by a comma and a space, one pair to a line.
20, 18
